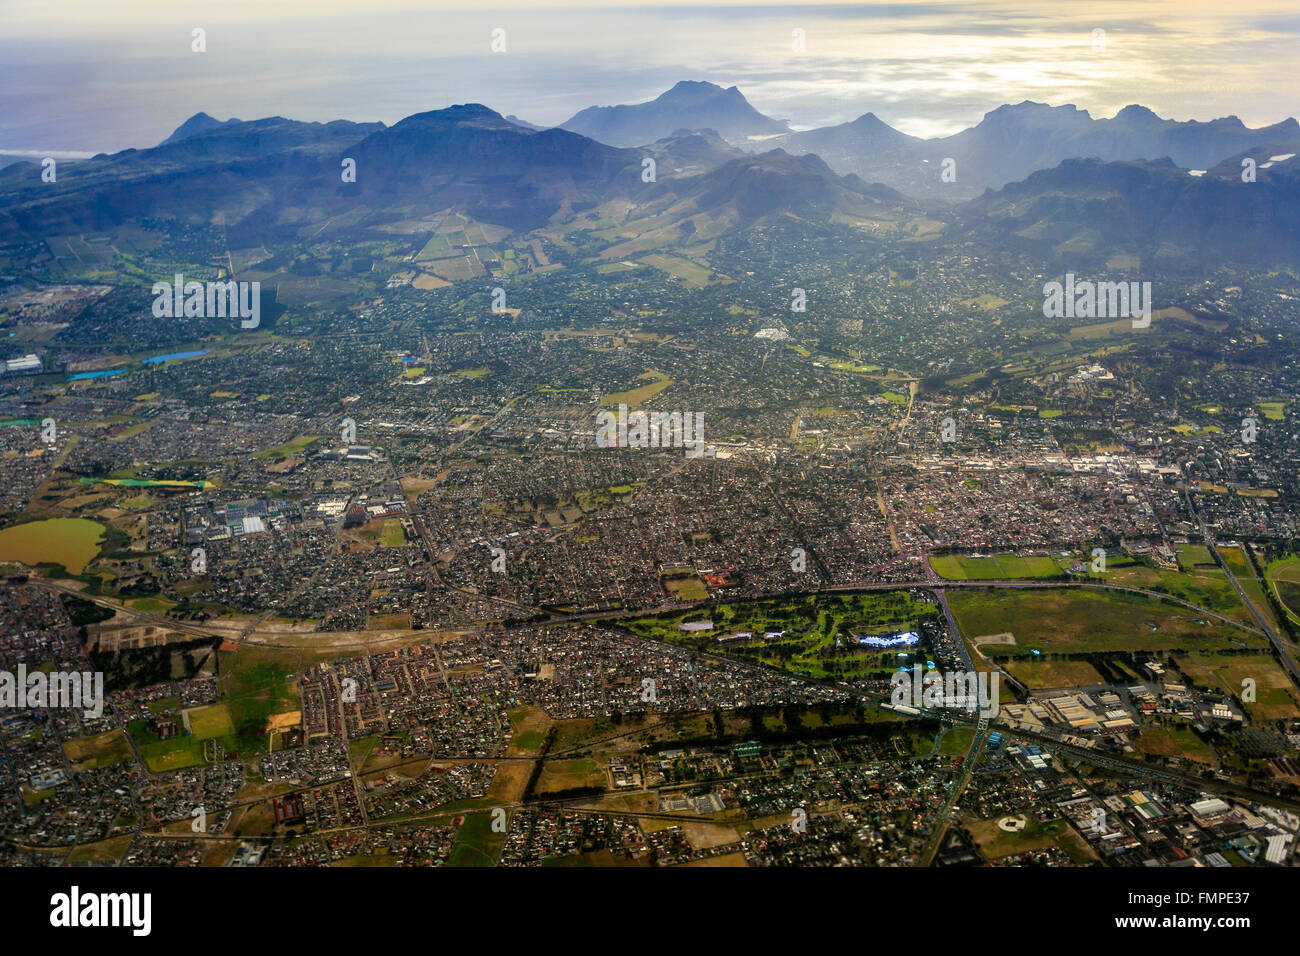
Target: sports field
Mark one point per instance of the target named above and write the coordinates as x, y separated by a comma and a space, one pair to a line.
956, 567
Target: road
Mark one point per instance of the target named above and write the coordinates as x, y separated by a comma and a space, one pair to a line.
942, 816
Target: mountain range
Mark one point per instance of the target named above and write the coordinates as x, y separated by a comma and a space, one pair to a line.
1078, 186
1007, 144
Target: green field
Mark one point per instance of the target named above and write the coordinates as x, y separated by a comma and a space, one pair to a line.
290, 448
1079, 621
153, 605
144, 483
995, 842
956, 742
1204, 586
390, 535
1037, 673
476, 844
71, 542
1194, 555
163, 755
686, 585
635, 396
101, 750
1174, 742
213, 721
955, 567
1244, 572
253, 688
693, 273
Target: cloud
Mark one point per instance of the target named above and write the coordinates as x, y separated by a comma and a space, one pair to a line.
927, 68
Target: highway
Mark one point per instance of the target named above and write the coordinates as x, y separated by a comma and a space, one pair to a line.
1284, 653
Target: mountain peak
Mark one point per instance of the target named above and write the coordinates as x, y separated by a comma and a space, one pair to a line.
1134, 112
869, 120
692, 91
458, 114
1031, 107
196, 125
689, 104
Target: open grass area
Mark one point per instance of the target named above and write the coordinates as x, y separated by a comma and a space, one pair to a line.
213, 721
476, 843
163, 755
101, 851
290, 448
569, 775
686, 585
956, 742
1040, 673
1192, 556
388, 533
254, 687
528, 730
633, 398
100, 750
1174, 742
153, 605
1204, 586
994, 842
691, 272
1244, 572
1284, 579
1074, 621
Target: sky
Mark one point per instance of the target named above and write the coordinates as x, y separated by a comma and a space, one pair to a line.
87, 76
